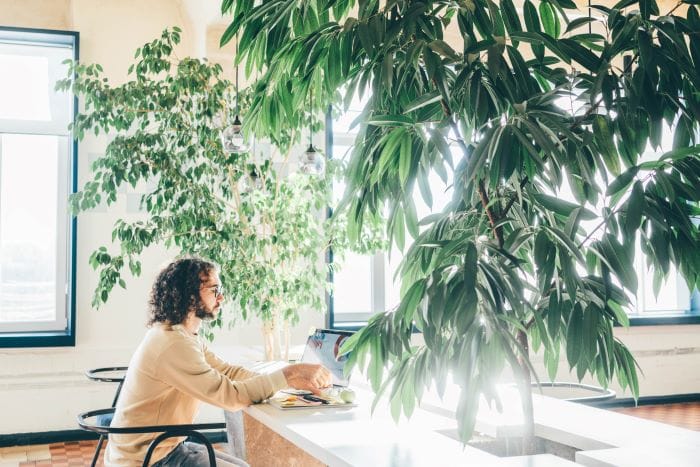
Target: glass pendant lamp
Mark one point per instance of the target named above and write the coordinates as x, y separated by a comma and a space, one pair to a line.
232, 136
311, 161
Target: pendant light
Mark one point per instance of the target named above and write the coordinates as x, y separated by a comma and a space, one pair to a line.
311, 161
252, 181
232, 136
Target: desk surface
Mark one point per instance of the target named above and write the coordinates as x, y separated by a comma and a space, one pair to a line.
355, 437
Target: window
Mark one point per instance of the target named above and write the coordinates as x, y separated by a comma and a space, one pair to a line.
364, 285
674, 297
37, 164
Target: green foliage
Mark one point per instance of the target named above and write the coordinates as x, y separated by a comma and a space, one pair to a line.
263, 228
533, 105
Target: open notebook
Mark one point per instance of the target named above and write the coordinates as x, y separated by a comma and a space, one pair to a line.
321, 347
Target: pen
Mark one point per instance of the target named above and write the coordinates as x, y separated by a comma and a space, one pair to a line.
311, 398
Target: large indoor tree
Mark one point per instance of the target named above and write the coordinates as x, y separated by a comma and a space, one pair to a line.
238, 207
557, 116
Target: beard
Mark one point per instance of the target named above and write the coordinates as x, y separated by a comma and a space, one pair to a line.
206, 314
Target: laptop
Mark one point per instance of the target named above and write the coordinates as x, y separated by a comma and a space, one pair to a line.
322, 347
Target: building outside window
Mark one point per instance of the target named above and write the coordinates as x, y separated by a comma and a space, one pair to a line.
37, 163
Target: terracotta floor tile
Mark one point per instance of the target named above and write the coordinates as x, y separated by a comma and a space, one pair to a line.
686, 415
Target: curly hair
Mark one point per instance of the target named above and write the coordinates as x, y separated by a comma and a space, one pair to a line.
176, 290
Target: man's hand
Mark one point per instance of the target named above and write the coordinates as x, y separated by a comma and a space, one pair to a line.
307, 376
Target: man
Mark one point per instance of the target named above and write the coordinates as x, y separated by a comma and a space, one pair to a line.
173, 370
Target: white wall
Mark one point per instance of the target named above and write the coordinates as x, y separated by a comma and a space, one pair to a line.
669, 358
44, 389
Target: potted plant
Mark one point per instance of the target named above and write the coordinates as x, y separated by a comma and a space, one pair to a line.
236, 206
537, 104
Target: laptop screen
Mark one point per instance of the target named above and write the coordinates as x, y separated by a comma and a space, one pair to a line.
322, 347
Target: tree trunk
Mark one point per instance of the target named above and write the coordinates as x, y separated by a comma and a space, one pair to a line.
272, 338
287, 338
525, 387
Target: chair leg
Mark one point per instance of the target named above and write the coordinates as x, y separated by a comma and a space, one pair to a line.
97, 451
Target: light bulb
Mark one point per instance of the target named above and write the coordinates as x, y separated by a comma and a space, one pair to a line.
312, 161
252, 182
232, 137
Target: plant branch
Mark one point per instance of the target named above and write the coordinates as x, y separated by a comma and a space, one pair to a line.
483, 195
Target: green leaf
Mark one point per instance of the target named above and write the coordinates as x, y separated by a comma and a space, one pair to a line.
561, 207
540, 39
578, 22
619, 261
405, 158
571, 249
604, 136
574, 336
510, 16
635, 208
388, 71
226, 36
622, 181
391, 120
580, 54
443, 48
550, 21
424, 100
648, 8
681, 153
532, 20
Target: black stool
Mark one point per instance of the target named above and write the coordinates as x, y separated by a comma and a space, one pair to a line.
107, 375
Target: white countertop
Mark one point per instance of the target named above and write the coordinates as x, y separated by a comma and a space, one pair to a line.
604, 438
355, 437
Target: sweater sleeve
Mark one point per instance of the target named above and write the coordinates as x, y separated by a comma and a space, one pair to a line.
183, 364
233, 372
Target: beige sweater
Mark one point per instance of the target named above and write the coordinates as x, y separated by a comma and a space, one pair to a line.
168, 376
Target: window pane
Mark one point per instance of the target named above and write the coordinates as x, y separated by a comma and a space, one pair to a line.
391, 280
24, 87
352, 286
674, 296
29, 102
29, 172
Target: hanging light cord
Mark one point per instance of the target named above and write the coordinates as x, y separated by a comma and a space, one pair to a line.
236, 61
589, 17
311, 112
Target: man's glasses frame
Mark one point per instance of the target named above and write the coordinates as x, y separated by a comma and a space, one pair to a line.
218, 290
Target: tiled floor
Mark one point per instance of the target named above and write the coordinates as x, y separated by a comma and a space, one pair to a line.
79, 453
686, 415
75, 453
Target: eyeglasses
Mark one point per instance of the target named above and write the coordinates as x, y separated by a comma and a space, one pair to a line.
218, 290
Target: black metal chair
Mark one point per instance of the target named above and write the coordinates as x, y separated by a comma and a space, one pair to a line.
93, 421
115, 374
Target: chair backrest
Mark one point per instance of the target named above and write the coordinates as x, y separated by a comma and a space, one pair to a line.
114, 374
96, 422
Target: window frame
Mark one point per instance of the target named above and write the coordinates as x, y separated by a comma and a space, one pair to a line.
66, 337
377, 261
378, 286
